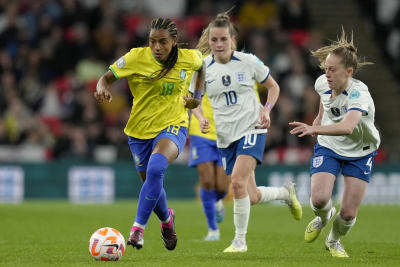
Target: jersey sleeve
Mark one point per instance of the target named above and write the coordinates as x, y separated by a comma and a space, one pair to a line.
192, 82
197, 59
261, 72
125, 65
359, 100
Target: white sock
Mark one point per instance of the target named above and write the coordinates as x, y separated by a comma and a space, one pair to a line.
241, 215
340, 228
272, 193
323, 212
139, 225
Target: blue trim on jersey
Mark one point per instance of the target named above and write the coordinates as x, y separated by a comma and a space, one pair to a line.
266, 78
235, 58
212, 62
330, 92
359, 109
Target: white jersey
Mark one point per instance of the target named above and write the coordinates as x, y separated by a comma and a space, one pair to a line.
365, 137
230, 88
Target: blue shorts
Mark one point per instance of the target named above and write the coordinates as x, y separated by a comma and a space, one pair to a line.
251, 144
203, 150
141, 148
325, 160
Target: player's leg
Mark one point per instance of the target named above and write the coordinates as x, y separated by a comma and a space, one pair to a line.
161, 208
221, 188
357, 174
324, 170
164, 152
353, 194
242, 171
208, 198
264, 194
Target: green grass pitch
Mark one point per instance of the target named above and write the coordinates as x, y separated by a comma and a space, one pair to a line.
46, 233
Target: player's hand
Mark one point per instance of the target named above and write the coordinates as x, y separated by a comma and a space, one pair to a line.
265, 120
204, 125
301, 129
103, 95
190, 102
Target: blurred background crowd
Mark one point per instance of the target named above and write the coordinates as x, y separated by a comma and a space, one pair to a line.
52, 53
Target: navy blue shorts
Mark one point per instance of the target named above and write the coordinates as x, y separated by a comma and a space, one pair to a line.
251, 144
141, 148
325, 160
203, 150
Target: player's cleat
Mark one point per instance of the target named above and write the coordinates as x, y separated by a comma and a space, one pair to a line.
136, 239
219, 211
237, 246
336, 249
292, 202
213, 235
168, 233
315, 226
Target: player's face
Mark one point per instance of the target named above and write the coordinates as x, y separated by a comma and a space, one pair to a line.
161, 44
220, 41
336, 73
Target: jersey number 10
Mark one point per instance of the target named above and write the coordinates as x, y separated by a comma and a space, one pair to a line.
231, 97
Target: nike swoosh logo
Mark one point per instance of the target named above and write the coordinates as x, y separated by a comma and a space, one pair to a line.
366, 173
146, 197
210, 81
112, 245
246, 147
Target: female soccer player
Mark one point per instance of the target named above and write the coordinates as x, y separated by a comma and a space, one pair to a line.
205, 155
241, 122
157, 127
347, 142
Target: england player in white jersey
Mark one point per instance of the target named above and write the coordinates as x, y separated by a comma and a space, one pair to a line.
241, 122
347, 142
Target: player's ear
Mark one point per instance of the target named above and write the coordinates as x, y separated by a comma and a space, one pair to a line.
350, 71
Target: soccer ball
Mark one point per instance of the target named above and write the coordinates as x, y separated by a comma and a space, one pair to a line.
107, 244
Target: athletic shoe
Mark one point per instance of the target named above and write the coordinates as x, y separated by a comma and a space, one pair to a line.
136, 238
292, 202
237, 246
168, 233
336, 249
213, 235
315, 226
219, 211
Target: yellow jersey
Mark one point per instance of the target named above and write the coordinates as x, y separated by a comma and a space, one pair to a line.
194, 128
156, 104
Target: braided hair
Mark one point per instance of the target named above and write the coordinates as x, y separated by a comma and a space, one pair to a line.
170, 26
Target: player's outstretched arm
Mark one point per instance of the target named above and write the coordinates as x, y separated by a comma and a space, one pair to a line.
103, 87
345, 127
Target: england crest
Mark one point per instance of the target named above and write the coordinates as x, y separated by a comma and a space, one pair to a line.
317, 161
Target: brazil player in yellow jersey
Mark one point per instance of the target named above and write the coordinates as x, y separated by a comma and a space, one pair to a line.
157, 128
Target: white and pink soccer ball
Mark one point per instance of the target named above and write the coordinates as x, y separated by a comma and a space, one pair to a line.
107, 244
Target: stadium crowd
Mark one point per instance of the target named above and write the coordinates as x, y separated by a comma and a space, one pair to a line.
52, 53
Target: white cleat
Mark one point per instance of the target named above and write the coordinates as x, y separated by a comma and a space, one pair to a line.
213, 235
237, 246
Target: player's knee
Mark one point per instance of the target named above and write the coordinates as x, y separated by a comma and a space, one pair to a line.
207, 184
158, 163
319, 202
237, 184
347, 214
